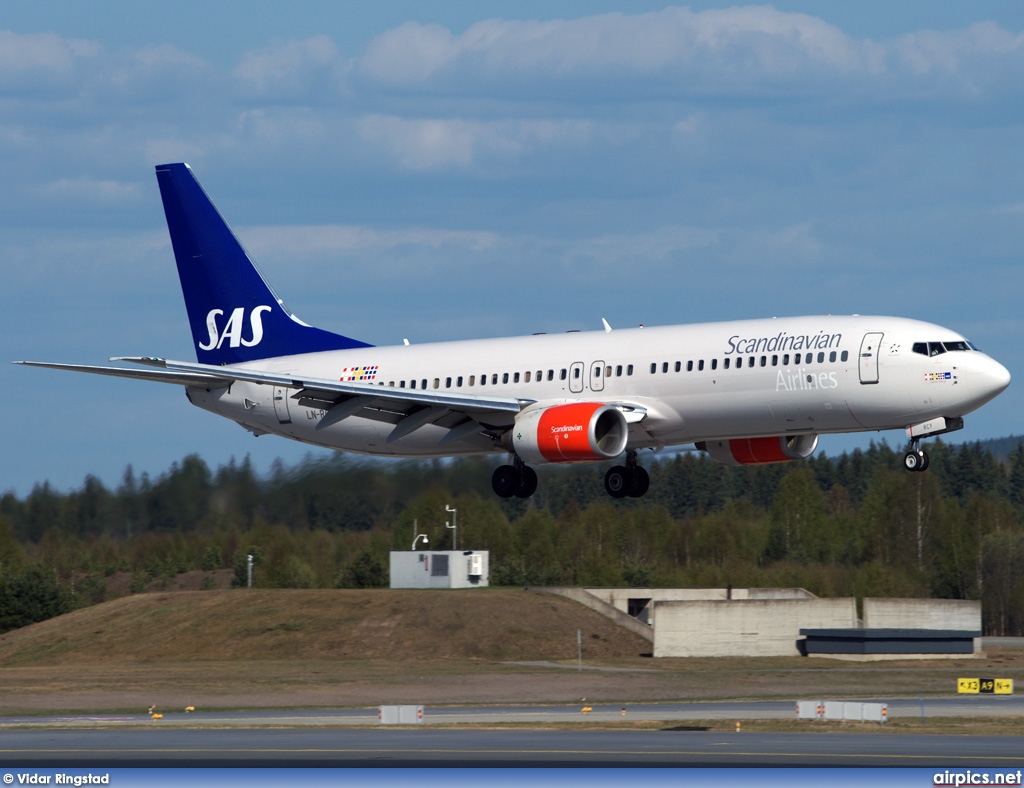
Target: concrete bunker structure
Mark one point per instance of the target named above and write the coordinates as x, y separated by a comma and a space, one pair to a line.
733, 622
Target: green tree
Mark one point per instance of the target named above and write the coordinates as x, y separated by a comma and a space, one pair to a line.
30, 596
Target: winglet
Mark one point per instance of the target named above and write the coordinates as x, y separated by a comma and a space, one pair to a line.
234, 314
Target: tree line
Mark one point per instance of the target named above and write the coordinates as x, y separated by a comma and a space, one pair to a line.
854, 525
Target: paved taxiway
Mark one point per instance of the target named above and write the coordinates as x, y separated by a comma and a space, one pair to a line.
351, 737
449, 747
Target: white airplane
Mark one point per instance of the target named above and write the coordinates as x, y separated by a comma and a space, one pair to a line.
745, 392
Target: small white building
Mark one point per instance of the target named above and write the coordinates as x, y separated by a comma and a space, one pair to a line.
440, 568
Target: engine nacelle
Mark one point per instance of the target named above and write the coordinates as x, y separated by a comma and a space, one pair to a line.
758, 451
574, 432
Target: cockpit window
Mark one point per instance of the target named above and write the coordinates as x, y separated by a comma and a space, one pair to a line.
938, 348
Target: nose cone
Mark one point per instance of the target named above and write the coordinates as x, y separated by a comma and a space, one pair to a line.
989, 379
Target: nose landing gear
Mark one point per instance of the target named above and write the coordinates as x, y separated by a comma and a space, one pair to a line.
917, 458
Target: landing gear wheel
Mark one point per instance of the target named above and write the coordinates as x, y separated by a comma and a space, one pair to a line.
639, 484
505, 481
617, 481
527, 482
915, 460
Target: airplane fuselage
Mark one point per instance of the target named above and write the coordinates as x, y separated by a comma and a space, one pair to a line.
713, 381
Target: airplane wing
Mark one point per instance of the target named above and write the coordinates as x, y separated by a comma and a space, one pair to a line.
166, 376
465, 416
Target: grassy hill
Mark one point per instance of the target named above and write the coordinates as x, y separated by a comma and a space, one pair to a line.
489, 624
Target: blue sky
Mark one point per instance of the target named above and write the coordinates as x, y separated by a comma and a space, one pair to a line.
488, 169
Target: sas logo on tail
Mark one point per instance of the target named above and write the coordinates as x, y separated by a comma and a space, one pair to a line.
234, 328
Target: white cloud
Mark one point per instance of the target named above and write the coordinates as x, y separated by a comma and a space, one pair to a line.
291, 65
22, 55
751, 40
425, 143
306, 242
679, 52
84, 188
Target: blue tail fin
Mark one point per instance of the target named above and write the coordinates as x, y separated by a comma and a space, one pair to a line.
234, 314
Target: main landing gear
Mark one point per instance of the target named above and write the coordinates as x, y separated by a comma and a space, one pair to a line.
917, 458
629, 479
519, 480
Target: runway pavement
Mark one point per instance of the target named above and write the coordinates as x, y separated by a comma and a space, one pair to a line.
452, 747
453, 736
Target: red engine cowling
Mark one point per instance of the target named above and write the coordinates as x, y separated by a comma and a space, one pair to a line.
757, 451
574, 432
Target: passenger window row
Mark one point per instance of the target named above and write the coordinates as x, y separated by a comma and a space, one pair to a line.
618, 370
755, 361
494, 378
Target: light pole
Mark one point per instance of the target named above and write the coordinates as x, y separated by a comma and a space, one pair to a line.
415, 536
453, 526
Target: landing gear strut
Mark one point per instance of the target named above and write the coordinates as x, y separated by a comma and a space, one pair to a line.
629, 479
517, 480
917, 458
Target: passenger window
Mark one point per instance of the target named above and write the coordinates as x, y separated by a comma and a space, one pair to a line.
821, 358
504, 377
629, 369
689, 366
412, 384
654, 368
494, 379
832, 356
700, 365
472, 380
679, 365
714, 363
618, 371
401, 384
764, 361
526, 377
796, 358
750, 361
608, 372
785, 360
458, 381
726, 364
664, 366
447, 383
515, 378
775, 361
437, 383
562, 375
845, 356
551, 374
576, 373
